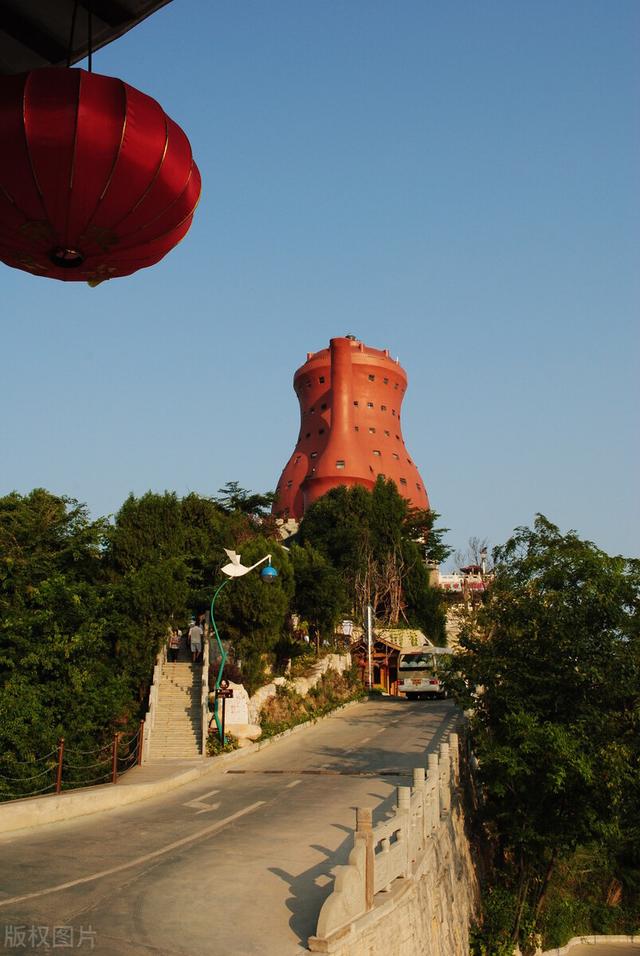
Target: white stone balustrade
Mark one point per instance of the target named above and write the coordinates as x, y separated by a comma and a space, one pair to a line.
150, 716
204, 695
393, 849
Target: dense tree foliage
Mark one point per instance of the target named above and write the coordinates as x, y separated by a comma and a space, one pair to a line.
232, 498
320, 597
549, 670
420, 526
57, 652
377, 545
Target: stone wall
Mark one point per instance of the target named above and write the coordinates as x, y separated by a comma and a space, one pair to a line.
410, 887
302, 685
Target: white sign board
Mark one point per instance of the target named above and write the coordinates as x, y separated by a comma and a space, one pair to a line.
236, 710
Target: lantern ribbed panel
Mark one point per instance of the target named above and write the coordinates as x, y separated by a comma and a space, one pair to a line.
350, 397
88, 163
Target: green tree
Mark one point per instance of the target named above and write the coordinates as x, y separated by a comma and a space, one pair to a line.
550, 672
235, 498
57, 674
319, 595
420, 527
147, 562
368, 538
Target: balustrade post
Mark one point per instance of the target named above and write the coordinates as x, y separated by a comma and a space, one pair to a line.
445, 779
419, 786
434, 790
455, 757
404, 812
59, 769
364, 832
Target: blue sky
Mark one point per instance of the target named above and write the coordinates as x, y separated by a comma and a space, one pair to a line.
455, 181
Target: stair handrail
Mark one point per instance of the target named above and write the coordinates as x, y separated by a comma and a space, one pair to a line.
152, 710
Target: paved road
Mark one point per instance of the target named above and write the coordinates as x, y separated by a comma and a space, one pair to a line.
236, 864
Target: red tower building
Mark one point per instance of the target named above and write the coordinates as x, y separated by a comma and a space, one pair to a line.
350, 397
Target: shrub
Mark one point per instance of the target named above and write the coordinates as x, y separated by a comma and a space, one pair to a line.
289, 708
215, 747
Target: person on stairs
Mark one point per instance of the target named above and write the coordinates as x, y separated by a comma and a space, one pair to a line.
174, 645
195, 640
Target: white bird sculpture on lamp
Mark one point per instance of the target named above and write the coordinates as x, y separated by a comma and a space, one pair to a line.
236, 569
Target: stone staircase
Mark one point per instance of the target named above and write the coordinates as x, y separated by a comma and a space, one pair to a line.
178, 725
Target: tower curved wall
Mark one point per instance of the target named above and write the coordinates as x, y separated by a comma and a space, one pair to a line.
350, 398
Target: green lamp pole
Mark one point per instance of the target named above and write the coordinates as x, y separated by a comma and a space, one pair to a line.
233, 570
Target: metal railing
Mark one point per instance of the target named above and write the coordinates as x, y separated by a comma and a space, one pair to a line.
69, 768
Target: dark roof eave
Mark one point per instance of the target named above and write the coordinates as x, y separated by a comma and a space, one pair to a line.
33, 39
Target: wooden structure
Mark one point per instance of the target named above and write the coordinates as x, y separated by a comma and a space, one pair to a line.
384, 660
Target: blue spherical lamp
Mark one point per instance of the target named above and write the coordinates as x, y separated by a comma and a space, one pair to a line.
268, 574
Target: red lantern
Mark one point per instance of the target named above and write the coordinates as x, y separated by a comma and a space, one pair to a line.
95, 180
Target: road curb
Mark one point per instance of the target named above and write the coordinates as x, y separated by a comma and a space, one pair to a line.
633, 941
33, 812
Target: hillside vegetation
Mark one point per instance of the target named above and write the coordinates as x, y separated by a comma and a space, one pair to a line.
549, 671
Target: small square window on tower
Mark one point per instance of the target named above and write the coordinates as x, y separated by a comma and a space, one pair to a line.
383, 408
314, 454
376, 451
403, 481
321, 379
369, 404
372, 378
372, 431
340, 463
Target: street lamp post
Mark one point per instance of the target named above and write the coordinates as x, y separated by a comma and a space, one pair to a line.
233, 570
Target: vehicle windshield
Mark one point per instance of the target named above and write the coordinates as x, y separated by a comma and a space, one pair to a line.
418, 661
